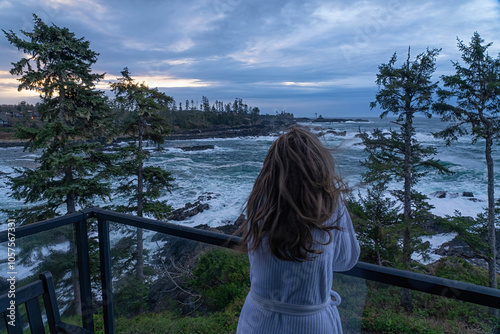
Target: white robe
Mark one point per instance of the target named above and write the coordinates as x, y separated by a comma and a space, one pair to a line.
306, 285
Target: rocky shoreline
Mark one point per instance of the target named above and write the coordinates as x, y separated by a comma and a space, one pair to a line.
263, 127
5, 143
260, 128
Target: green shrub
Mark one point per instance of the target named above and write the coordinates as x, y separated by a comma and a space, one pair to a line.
130, 296
387, 321
221, 276
166, 322
459, 269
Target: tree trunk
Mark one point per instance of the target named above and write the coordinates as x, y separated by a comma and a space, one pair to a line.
71, 208
406, 299
77, 302
140, 186
140, 255
492, 268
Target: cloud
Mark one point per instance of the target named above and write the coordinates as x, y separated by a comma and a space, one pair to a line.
8, 90
5, 4
261, 50
357, 81
161, 81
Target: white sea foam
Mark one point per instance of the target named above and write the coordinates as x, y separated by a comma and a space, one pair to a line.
435, 242
232, 166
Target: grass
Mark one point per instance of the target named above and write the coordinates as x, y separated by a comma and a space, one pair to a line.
367, 307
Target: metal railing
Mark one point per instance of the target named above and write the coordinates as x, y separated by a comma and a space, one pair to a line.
425, 283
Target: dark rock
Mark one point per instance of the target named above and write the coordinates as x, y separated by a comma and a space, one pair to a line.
197, 147
317, 128
444, 194
339, 120
455, 247
231, 228
432, 225
192, 209
337, 133
439, 194
189, 210
320, 134
207, 196
458, 247
11, 143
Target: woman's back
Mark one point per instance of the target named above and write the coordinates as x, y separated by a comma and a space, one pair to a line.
295, 297
298, 232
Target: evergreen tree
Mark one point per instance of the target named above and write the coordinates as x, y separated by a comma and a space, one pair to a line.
474, 232
255, 114
376, 219
69, 173
475, 90
205, 104
397, 155
142, 185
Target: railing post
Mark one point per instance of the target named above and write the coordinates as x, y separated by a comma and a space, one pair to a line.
82, 250
105, 264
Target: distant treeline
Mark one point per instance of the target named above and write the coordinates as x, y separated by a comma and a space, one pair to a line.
188, 115
192, 115
20, 110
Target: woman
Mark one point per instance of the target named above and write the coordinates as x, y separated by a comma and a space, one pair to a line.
298, 232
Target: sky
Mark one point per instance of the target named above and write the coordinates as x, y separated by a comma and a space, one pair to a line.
307, 57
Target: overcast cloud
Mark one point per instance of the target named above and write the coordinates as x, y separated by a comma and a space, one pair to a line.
305, 57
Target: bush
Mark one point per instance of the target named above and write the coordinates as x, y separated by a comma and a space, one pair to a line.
458, 269
221, 276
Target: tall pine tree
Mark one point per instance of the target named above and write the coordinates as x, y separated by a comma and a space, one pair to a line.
396, 155
69, 172
475, 91
141, 184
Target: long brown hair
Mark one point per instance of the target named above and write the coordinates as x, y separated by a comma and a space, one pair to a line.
296, 191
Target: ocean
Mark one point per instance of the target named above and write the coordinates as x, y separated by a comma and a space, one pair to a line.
223, 177
228, 171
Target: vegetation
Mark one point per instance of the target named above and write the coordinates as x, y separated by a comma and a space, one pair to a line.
73, 171
376, 218
192, 116
367, 306
397, 155
142, 185
475, 89
221, 277
69, 173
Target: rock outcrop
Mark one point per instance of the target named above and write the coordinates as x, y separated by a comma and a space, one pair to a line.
192, 209
445, 194
263, 127
196, 148
459, 248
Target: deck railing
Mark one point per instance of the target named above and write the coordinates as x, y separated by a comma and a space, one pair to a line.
425, 283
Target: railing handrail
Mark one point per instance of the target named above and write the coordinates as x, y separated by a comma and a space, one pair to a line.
468, 292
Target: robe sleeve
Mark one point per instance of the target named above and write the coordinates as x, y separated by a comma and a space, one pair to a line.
346, 252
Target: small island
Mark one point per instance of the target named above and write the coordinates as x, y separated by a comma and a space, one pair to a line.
321, 119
